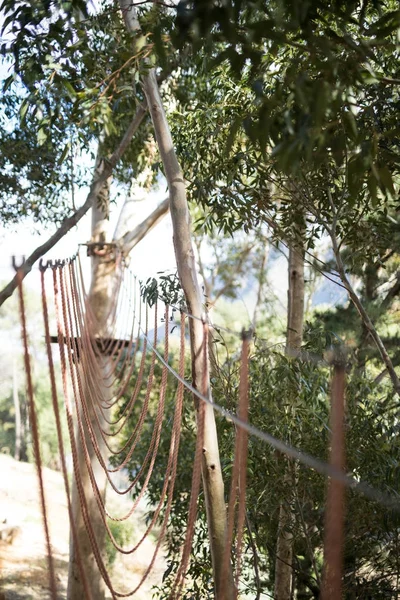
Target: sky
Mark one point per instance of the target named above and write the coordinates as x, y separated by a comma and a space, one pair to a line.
153, 254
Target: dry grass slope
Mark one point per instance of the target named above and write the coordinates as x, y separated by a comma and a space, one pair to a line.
23, 568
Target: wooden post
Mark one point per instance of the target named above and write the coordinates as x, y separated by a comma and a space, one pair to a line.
334, 512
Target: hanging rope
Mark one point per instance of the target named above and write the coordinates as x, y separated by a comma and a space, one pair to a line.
54, 397
35, 430
100, 368
196, 481
64, 331
75, 461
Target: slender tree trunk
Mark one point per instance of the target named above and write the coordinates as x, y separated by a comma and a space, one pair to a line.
294, 336
284, 545
362, 312
17, 410
100, 297
211, 466
261, 283
370, 284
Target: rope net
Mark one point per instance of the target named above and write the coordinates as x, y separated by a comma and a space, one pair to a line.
112, 392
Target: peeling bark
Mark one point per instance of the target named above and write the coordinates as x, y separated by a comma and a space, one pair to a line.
211, 465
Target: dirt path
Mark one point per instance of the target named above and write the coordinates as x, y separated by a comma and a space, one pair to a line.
23, 565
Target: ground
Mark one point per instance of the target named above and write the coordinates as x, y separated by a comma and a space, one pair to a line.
23, 565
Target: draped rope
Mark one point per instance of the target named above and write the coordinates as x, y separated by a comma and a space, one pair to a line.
97, 371
65, 329
196, 481
75, 461
35, 433
54, 397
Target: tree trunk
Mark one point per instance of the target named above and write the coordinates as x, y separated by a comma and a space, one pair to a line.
99, 299
294, 336
284, 545
261, 284
211, 466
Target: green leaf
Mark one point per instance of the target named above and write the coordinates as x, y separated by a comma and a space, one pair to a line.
350, 125
7, 83
232, 134
323, 94
70, 89
355, 172
338, 146
386, 179
64, 153
41, 136
372, 188
384, 26
23, 110
140, 42
8, 19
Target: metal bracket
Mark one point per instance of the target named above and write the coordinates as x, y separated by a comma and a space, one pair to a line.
99, 248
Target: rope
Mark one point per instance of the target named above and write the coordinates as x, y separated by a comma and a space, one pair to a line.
153, 446
196, 480
78, 313
239, 474
242, 449
100, 380
173, 454
238, 482
306, 459
75, 461
93, 379
158, 427
35, 434
54, 397
91, 351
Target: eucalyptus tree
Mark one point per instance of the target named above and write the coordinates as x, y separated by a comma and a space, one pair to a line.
65, 89
72, 84
289, 111
298, 118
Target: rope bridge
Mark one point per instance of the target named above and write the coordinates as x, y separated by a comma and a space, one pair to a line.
103, 379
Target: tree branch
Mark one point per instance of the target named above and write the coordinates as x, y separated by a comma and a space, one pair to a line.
394, 291
131, 238
244, 255
261, 282
363, 313
202, 271
98, 181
